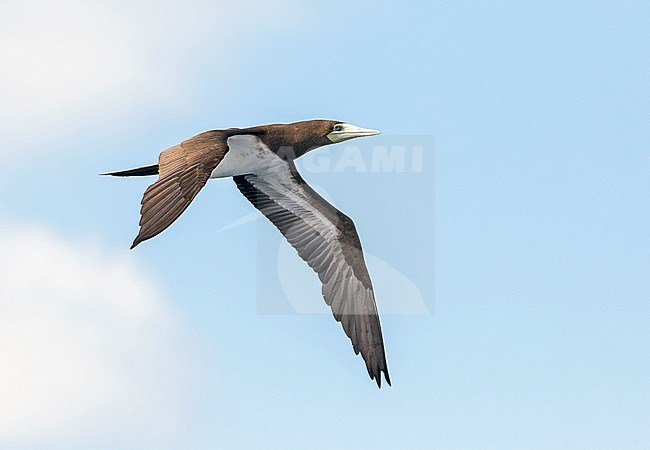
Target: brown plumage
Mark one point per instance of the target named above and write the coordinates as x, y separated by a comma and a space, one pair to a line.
261, 163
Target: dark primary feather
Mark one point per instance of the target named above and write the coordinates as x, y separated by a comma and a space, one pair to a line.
327, 240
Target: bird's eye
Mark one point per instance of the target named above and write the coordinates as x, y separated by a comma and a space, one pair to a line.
338, 127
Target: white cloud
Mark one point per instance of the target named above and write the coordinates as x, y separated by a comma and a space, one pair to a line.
65, 60
87, 346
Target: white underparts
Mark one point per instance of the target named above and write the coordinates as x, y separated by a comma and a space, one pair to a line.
246, 154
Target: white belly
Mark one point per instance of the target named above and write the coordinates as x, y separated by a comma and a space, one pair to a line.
246, 154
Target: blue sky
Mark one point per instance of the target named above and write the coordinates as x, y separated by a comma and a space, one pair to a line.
511, 269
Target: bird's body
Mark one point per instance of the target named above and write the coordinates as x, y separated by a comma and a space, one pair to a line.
261, 161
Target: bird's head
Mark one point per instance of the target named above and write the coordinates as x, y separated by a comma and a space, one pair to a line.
308, 135
341, 131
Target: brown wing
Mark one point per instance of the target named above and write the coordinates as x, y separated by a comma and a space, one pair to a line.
327, 240
183, 171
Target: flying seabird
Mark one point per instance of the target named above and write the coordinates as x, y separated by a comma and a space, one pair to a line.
261, 161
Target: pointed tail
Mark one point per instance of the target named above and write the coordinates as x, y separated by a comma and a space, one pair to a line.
137, 172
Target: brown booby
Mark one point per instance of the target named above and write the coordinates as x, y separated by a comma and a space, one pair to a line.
261, 161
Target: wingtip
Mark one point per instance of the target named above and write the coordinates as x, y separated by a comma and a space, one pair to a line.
387, 377
377, 378
139, 239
